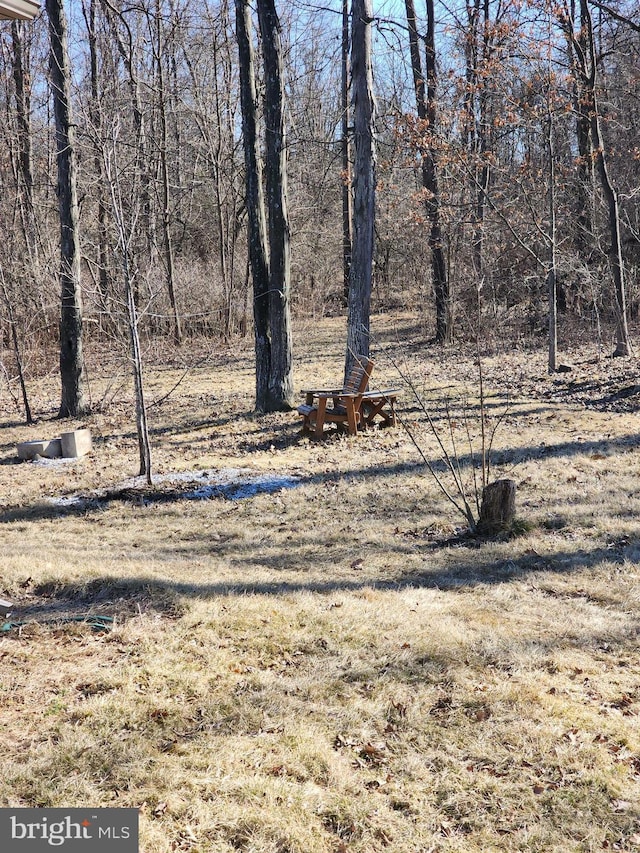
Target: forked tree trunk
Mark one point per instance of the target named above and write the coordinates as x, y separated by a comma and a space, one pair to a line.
623, 346
16, 348
587, 69
364, 183
126, 49
73, 400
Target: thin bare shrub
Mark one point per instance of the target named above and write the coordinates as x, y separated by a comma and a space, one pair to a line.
463, 470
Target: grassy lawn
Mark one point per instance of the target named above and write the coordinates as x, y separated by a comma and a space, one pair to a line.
329, 667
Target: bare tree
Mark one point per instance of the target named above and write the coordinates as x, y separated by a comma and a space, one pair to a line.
73, 401
258, 257
364, 185
24, 136
346, 155
280, 369
117, 179
162, 142
95, 119
586, 67
268, 225
426, 99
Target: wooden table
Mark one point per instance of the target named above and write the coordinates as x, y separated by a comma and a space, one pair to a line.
379, 404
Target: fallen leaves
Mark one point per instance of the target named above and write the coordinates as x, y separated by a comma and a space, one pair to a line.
367, 753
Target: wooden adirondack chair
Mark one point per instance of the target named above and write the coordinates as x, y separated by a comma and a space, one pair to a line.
345, 401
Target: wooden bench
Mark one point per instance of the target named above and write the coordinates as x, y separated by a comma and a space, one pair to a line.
345, 405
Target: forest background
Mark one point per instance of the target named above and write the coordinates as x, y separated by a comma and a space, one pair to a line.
319, 660
156, 113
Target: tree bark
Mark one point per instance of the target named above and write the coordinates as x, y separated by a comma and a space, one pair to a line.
586, 67
426, 108
167, 240
257, 227
346, 158
623, 345
95, 117
552, 289
364, 183
498, 508
280, 396
25, 147
73, 400
585, 185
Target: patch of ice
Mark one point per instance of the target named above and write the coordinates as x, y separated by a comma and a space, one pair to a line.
243, 488
230, 483
57, 461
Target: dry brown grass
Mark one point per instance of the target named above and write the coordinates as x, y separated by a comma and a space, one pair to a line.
330, 668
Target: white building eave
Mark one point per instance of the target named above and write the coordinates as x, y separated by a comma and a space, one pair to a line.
23, 10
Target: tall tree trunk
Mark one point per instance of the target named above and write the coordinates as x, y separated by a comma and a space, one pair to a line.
482, 178
219, 159
25, 148
257, 227
73, 400
364, 185
126, 49
623, 346
426, 108
95, 116
585, 190
346, 158
552, 296
281, 370
164, 176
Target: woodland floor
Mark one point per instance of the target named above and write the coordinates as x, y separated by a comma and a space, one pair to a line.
322, 662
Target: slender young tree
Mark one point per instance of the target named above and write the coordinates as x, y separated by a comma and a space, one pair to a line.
73, 400
125, 229
364, 185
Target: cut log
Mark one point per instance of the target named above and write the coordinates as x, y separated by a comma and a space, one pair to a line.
498, 508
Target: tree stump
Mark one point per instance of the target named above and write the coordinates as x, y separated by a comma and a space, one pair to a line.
498, 508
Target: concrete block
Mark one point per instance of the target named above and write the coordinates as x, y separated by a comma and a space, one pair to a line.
49, 448
76, 443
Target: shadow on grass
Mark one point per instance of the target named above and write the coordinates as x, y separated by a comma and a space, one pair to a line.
165, 594
144, 496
